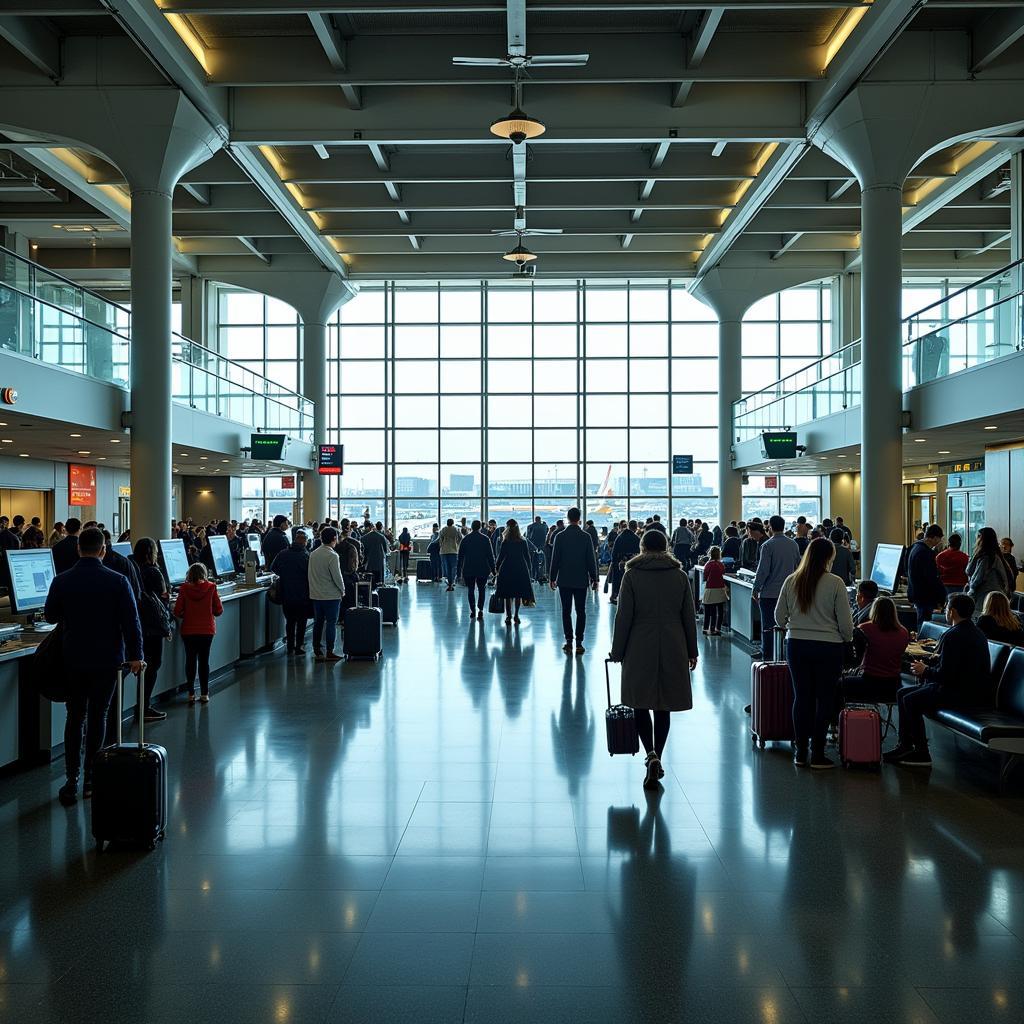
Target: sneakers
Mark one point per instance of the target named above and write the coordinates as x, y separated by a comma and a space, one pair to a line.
331, 656
800, 758
820, 761
613, 600
898, 754
205, 699
567, 647
580, 649
654, 771
919, 757
68, 793
152, 715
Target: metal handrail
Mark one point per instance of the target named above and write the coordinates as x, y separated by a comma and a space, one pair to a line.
967, 287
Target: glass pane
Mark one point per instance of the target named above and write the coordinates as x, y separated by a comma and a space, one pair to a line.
554, 341
510, 342
556, 305
416, 305
460, 305
461, 376
604, 304
457, 411
462, 480
509, 305
366, 307
607, 340
415, 342
458, 342
416, 446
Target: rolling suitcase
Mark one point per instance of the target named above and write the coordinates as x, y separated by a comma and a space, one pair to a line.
619, 722
364, 627
387, 599
860, 736
424, 572
771, 699
129, 799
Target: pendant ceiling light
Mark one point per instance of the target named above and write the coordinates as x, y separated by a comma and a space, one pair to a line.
517, 127
520, 254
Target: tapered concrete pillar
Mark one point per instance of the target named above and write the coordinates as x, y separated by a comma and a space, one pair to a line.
314, 389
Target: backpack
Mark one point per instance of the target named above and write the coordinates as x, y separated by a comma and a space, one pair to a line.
154, 615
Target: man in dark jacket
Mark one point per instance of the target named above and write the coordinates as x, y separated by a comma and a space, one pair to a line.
626, 545
276, 539
9, 541
65, 552
375, 550
124, 566
573, 568
954, 681
537, 532
475, 565
291, 566
101, 631
925, 589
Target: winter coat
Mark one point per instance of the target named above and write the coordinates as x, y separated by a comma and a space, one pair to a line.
292, 569
655, 634
514, 571
197, 606
986, 575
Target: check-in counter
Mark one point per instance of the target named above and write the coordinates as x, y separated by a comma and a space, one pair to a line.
32, 728
745, 616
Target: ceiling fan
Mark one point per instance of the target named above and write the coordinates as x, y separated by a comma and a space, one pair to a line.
519, 61
519, 232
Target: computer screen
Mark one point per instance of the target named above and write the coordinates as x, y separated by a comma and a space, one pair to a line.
223, 563
885, 570
32, 572
122, 548
254, 546
175, 560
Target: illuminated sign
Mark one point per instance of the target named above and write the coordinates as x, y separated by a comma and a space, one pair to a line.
82, 486
267, 446
331, 459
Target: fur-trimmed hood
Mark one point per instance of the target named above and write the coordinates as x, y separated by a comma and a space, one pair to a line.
654, 560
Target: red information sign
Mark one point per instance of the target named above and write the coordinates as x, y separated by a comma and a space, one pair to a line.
771, 483
287, 483
331, 459
81, 485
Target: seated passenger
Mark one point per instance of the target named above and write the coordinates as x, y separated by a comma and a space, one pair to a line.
999, 623
867, 591
884, 640
961, 672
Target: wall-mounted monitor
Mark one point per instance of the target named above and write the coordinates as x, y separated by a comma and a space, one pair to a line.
172, 551
330, 459
32, 573
267, 446
223, 563
778, 444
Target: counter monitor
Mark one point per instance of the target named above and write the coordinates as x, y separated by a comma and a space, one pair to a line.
223, 563
32, 573
175, 560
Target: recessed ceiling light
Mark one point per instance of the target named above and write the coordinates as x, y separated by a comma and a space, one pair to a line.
840, 456
991, 428
7, 440
23, 455
225, 460
3, 424
115, 440
202, 458
85, 453
182, 455
74, 435
920, 440
944, 453
101, 458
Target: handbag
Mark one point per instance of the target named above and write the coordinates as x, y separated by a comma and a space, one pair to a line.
154, 615
274, 595
495, 604
619, 722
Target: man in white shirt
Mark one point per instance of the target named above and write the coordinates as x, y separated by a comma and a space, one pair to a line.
326, 590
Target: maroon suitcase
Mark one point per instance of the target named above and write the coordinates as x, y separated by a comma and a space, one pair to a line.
771, 702
860, 736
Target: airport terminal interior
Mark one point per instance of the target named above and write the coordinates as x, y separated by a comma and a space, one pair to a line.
283, 263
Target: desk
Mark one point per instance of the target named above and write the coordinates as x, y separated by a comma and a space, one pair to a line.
744, 611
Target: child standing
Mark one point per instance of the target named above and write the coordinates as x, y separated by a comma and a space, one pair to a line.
197, 606
715, 594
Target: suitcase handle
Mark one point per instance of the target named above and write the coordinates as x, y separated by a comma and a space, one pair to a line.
608, 680
139, 710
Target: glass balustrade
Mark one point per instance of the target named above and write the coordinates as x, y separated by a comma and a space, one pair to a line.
987, 325
45, 317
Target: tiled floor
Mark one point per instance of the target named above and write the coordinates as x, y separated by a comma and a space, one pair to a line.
442, 837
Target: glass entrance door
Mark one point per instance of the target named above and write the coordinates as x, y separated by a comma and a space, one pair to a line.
957, 518
975, 516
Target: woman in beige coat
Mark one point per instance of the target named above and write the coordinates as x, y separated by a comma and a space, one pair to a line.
656, 640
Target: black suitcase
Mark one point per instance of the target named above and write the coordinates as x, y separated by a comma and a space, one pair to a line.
364, 628
424, 572
387, 601
129, 787
619, 723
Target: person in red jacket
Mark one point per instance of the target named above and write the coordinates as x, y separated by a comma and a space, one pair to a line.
952, 565
715, 593
197, 606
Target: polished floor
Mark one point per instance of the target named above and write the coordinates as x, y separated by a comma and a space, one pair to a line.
442, 837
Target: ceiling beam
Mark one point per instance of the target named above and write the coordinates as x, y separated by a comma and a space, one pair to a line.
34, 40
994, 35
249, 244
330, 40
515, 24
200, 193
696, 47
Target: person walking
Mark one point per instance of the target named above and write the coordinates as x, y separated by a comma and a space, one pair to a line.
155, 617
813, 608
778, 558
573, 568
682, 544
350, 554
375, 550
715, 592
925, 589
513, 566
434, 554
655, 639
198, 606
450, 539
291, 567
987, 571
326, 591
475, 565
626, 546
404, 552
844, 565
99, 619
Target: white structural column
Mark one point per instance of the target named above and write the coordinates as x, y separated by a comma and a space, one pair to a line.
314, 389
151, 373
730, 390
881, 455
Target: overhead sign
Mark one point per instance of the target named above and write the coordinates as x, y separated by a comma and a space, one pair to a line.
288, 483
267, 446
682, 465
771, 483
81, 485
965, 466
124, 492
330, 459
778, 445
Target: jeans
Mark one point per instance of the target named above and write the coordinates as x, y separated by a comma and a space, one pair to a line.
197, 658
153, 655
573, 596
473, 583
815, 666
767, 608
449, 563
87, 713
713, 615
325, 614
914, 703
296, 618
404, 559
682, 553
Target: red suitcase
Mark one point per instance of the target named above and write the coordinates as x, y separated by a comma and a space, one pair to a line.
771, 702
860, 736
